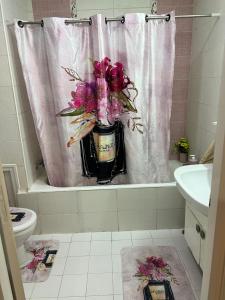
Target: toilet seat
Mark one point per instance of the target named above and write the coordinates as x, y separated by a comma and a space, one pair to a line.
27, 221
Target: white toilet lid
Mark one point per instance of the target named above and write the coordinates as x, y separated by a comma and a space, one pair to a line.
28, 220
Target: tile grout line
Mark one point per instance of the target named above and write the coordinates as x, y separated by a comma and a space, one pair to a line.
88, 268
64, 265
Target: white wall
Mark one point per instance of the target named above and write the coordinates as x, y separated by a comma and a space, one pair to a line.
112, 8
205, 75
18, 142
106, 210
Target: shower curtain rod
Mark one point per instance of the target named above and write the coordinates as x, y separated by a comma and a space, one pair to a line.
121, 19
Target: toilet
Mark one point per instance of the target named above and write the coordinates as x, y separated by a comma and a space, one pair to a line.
24, 222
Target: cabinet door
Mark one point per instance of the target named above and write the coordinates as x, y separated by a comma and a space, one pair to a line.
191, 235
202, 252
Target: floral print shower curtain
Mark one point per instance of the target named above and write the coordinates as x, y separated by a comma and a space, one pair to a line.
139, 54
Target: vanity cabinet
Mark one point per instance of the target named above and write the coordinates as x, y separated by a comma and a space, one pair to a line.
195, 233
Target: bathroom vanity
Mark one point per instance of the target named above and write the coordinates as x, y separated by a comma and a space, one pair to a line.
194, 183
195, 233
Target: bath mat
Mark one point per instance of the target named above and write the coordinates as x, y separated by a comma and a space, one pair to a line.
139, 264
43, 253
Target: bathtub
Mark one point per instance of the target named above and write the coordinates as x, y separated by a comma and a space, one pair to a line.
105, 207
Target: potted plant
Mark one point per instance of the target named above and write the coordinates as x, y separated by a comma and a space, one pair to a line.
182, 147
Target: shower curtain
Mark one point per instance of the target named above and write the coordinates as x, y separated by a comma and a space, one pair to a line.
146, 49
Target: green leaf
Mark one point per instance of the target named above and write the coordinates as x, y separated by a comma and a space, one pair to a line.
74, 113
125, 101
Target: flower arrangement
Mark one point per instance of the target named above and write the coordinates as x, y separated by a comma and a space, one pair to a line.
101, 101
154, 268
182, 145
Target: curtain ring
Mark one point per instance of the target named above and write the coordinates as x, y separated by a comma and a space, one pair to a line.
106, 21
42, 23
90, 21
146, 18
20, 24
122, 20
168, 18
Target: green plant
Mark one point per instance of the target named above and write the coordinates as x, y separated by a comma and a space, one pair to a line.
182, 145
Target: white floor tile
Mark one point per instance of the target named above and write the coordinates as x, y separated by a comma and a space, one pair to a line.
39, 237
121, 235
58, 266
98, 276
79, 249
44, 298
188, 259
140, 235
73, 286
99, 284
48, 288
180, 243
195, 277
81, 237
63, 250
100, 264
198, 294
99, 298
101, 236
118, 245
163, 242
28, 289
71, 298
176, 232
118, 297
144, 242
76, 265
101, 248
193, 270
117, 283
117, 265
62, 238
161, 233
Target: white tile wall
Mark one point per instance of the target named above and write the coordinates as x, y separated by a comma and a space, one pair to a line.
132, 220
25, 152
205, 73
112, 8
94, 201
170, 218
137, 199
99, 221
58, 203
106, 210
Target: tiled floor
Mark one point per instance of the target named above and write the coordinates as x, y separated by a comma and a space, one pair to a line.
88, 266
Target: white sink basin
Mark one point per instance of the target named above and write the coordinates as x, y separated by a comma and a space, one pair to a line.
194, 183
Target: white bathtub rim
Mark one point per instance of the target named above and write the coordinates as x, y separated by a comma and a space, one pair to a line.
40, 185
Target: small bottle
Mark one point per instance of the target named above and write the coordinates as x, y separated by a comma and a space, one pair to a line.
192, 159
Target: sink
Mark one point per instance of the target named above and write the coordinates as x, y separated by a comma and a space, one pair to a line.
194, 183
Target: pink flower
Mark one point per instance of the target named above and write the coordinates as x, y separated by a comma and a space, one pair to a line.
91, 106
102, 88
145, 269
77, 103
100, 67
84, 96
116, 78
115, 109
157, 261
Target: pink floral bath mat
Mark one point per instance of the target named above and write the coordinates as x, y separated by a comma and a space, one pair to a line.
143, 265
43, 253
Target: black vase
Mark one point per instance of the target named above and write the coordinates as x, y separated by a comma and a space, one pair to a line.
103, 153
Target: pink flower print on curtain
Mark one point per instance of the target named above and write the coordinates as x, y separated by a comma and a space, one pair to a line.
84, 98
102, 102
100, 68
